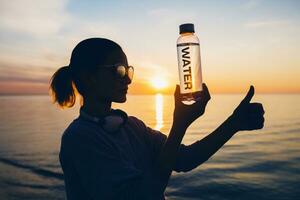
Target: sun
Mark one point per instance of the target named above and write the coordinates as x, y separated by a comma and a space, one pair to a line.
159, 83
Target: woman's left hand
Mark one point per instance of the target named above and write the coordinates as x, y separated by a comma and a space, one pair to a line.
248, 116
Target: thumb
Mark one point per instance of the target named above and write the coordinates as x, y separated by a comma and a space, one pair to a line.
249, 95
177, 94
177, 90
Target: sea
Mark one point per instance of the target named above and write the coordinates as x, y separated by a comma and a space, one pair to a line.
261, 164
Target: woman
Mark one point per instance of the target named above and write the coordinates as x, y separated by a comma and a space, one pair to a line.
106, 154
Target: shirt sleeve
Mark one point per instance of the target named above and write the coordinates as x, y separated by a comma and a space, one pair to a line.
188, 156
154, 139
104, 175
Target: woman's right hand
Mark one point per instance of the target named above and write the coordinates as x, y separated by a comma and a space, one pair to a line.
184, 114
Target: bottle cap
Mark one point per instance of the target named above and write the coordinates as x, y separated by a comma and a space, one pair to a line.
186, 28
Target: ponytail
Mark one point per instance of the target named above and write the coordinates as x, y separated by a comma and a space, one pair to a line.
62, 88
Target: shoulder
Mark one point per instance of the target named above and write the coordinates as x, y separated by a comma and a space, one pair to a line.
78, 131
154, 139
141, 127
136, 122
82, 138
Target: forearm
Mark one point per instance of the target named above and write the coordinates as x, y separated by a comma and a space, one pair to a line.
195, 154
167, 157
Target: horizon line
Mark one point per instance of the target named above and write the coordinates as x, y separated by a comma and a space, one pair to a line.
151, 94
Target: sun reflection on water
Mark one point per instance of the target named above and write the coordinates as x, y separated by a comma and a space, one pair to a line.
159, 111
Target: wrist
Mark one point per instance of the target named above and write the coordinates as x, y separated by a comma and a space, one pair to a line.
232, 124
179, 126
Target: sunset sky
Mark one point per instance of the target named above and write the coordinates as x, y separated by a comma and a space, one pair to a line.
242, 42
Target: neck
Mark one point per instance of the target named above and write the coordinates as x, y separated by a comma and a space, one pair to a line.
96, 108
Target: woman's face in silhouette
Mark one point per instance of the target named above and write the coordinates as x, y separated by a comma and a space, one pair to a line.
106, 85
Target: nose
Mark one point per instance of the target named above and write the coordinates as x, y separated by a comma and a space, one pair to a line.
126, 80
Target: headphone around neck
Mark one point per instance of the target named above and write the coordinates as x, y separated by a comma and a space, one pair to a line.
111, 123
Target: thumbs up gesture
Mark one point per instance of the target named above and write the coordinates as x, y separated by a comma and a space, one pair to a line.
248, 116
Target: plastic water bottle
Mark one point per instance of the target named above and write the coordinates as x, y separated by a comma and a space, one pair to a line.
189, 64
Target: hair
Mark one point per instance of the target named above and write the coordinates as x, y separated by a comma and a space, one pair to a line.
86, 57
62, 88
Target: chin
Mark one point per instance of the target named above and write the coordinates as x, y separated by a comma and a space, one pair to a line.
120, 99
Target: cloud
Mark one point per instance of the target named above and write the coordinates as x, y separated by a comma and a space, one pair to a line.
166, 15
53, 31
13, 79
249, 5
267, 24
27, 73
33, 17
37, 38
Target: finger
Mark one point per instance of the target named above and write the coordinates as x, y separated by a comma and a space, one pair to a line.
177, 90
256, 116
249, 95
206, 92
257, 108
177, 95
202, 95
257, 122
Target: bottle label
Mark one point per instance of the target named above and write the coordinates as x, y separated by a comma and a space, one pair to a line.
189, 66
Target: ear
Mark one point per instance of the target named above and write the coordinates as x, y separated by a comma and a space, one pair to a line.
88, 80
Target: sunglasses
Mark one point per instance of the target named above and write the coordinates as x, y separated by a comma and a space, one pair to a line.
121, 71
